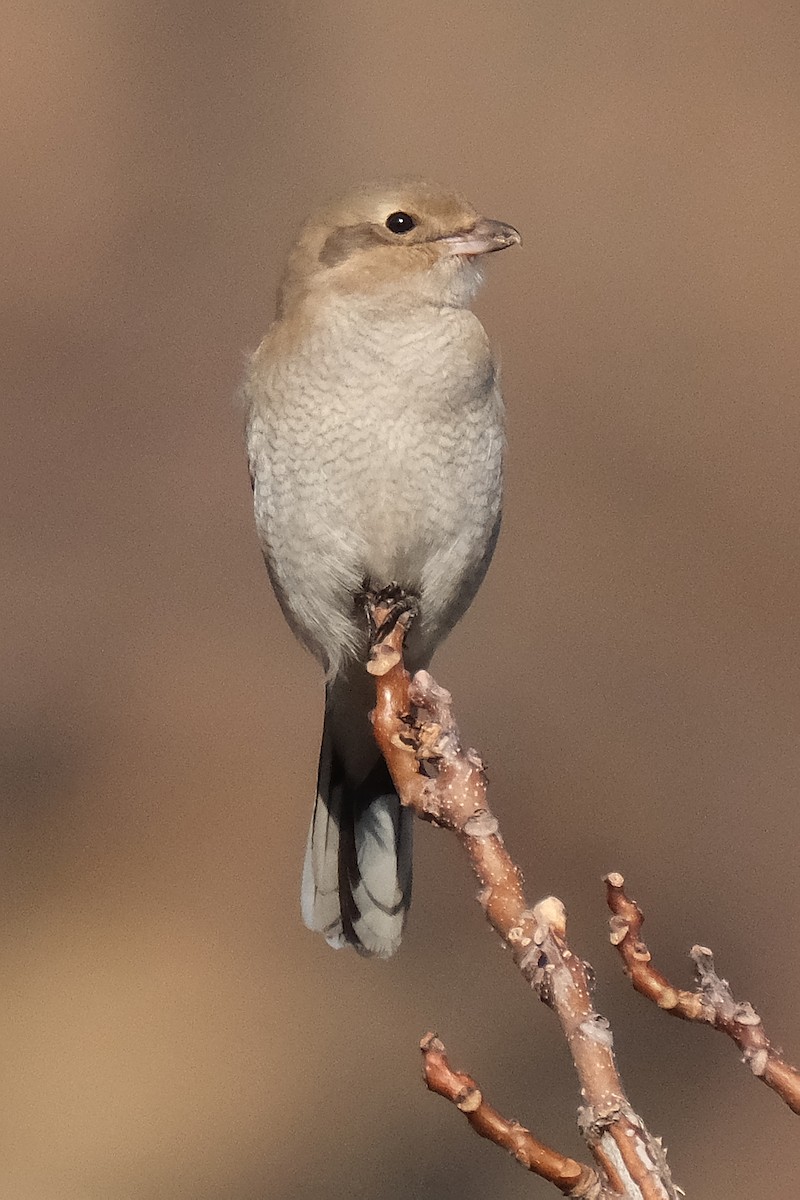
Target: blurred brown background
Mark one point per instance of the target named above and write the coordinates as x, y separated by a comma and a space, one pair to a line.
631, 668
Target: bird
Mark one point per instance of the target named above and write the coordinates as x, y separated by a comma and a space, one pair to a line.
375, 440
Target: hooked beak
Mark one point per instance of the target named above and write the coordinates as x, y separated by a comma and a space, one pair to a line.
483, 238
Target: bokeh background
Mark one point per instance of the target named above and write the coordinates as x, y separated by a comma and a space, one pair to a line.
631, 669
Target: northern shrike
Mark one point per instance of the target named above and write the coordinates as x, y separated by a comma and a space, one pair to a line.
375, 439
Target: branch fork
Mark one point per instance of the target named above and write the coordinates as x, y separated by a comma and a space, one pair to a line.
442, 782
712, 1003
446, 784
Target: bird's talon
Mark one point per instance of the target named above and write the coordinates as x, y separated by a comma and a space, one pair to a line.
385, 609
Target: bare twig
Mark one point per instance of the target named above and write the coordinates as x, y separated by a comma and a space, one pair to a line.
712, 1003
445, 784
570, 1177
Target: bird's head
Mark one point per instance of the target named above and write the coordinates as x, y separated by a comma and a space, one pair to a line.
405, 243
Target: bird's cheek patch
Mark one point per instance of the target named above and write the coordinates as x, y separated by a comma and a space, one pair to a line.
343, 242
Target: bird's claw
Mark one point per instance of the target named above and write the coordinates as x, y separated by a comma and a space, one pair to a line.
385, 609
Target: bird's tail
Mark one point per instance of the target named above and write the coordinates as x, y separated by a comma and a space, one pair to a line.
357, 873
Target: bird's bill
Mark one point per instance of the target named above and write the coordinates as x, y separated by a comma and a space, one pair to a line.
483, 238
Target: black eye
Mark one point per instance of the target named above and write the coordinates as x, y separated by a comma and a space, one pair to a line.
399, 222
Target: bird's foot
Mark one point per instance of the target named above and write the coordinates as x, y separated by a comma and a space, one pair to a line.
391, 604
389, 613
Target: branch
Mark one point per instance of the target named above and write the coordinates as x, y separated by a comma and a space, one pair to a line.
570, 1177
445, 784
712, 1003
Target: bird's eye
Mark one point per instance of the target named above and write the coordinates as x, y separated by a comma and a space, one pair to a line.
399, 222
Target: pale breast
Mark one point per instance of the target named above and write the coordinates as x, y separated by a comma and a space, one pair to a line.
376, 448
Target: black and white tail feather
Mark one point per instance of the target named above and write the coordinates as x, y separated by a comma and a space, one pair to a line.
357, 874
